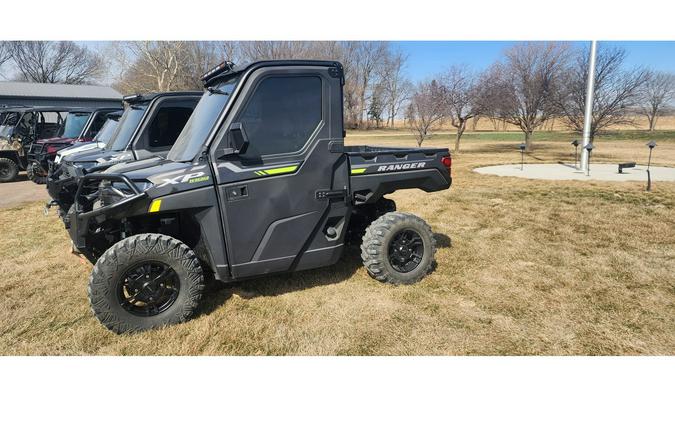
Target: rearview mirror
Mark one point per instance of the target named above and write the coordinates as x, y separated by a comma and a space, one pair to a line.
238, 138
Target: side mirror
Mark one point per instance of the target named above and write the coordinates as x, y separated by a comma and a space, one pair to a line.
238, 138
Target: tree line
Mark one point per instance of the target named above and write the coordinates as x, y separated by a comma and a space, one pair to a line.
537, 82
531, 85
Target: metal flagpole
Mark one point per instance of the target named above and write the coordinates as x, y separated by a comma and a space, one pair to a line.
588, 114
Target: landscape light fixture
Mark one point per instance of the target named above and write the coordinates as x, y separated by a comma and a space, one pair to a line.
522, 147
651, 145
588, 148
576, 152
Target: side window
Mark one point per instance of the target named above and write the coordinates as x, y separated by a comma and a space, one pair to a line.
281, 115
167, 125
96, 125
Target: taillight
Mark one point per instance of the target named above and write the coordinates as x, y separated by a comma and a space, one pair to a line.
447, 162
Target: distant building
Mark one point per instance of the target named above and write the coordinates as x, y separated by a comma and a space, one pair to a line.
38, 94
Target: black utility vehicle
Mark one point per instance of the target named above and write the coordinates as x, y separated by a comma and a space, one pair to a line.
21, 126
148, 128
80, 125
258, 182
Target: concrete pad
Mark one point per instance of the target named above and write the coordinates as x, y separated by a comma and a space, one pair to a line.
599, 171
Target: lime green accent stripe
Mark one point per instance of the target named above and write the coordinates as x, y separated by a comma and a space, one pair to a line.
359, 171
280, 170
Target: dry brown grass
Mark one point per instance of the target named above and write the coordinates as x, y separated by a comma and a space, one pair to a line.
524, 267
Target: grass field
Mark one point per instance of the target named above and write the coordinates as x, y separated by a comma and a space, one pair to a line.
524, 267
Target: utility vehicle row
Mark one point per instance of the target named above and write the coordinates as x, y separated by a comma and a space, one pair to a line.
249, 177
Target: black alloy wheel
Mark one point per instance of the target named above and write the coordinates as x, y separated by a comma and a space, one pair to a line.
406, 251
148, 289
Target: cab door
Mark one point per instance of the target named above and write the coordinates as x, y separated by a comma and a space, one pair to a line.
283, 198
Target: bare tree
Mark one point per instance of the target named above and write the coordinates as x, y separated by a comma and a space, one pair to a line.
519, 90
426, 109
657, 94
461, 98
369, 55
396, 88
202, 56
5, 52
617, 91
166, 65
55, 62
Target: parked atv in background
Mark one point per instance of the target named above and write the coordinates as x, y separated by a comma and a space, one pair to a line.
21, 127
80, 125
99, 142
258, 182
147, 129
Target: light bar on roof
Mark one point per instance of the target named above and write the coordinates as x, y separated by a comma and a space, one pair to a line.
223, 67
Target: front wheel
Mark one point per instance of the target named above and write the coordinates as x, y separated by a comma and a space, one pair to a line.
34, 173
398, 248
8, 170
145, 281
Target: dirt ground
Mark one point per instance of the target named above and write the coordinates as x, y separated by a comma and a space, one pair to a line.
524, 267
21, 191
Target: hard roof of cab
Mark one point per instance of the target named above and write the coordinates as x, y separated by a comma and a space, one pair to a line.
229, 68
143, 98
37, 108
94, 109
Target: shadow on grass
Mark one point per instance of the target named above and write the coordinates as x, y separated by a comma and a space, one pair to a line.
268, 286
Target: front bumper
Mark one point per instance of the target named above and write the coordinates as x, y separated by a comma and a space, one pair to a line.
83, 220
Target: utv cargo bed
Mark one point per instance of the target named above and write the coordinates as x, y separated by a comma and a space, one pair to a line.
377, 171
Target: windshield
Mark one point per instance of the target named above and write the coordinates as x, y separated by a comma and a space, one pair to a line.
199, 125
125, 128
11, 119
105, 134
74, 124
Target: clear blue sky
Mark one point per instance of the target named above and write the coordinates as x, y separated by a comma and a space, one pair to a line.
429, 57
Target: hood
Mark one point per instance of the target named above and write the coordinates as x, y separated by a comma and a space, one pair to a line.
56, 141
133, 166
80, 147
90, 155
158, 170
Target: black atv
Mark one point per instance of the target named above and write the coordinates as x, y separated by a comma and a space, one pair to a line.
258, 182
148, 128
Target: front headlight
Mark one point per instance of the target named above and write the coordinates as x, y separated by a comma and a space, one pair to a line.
112, 192
86, 164
143, 185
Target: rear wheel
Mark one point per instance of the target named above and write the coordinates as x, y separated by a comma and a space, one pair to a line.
398, 248
33, 172
8, 170
145, 281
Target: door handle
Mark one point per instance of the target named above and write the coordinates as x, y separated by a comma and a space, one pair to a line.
236, 193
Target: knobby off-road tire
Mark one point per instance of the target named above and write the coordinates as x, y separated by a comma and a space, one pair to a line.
8, 170
398, 230
32, 175
110, 282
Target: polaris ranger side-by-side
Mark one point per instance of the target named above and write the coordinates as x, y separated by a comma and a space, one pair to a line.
99, 142
258, 182
80, 125
147, 129
21, 127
